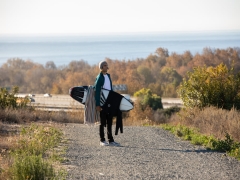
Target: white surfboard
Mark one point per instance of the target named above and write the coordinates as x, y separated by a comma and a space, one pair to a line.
79, 93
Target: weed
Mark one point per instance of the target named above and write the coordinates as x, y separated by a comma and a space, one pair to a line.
35, 154
32, 167
223, 145
227, 145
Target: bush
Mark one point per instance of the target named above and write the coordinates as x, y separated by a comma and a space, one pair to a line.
225, 145
168, 112
34, 156
218, 87
8, 99
147, 98
32, 167
210, 121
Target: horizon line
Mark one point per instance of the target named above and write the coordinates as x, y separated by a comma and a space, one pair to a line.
116, 33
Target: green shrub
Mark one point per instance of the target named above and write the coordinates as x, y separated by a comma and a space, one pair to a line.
37, 139
224, 145
35, 154
31, 167
209, 86
9, 100
235, 152
170, 111
227, 145
147, 98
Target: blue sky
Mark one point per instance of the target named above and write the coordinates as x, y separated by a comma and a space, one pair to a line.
56, 17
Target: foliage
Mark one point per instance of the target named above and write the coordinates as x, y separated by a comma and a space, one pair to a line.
169, 80
227, 145
30, 161
188, 134
37, 139
159, 71
146, 74
210, 120
29, 114
8, 99
147, 98
209, 86
168, 112
32, 167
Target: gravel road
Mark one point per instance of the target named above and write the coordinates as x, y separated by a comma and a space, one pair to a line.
145, 153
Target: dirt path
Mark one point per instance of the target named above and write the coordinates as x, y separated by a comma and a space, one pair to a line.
145, 153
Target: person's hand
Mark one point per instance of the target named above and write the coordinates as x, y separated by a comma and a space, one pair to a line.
99, 108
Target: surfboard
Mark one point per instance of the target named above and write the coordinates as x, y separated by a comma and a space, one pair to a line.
79, 93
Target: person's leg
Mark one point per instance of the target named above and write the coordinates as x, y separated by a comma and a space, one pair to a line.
101, 133
102, 124
109, 132
109, 128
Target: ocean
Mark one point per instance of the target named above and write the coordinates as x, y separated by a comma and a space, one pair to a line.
94, 48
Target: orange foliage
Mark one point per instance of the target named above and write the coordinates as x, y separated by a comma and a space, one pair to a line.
136, 74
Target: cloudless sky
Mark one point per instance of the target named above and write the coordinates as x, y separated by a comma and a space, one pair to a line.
116, 16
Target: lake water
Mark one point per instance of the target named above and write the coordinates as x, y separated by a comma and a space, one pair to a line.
94, 48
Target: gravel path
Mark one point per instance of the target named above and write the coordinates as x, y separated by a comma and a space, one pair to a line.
145, 153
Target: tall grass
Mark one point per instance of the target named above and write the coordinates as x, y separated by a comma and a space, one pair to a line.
210, 121
32, 167
148, 116
32, 115
34, 155
36, 140
215, 128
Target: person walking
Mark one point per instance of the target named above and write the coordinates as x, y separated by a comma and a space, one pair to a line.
103, 80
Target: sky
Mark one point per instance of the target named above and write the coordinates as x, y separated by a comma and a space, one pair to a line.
55, 17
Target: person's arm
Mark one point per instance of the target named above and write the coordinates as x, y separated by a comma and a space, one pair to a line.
98, 86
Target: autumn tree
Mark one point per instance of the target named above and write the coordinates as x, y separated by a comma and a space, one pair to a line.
145, 72
169, 80
50, 65
159, 71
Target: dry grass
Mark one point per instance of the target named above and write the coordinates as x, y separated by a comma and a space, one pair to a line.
11, 120
138, 116
30, 115
8, 140
211, 121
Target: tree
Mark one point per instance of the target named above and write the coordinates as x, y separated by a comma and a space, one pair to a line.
56, 89
175, 60
146, 73
78, 66
169, 80
50, 65
162, 52
147, 98
212, 86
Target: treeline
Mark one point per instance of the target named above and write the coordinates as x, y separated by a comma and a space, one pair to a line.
160, 72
